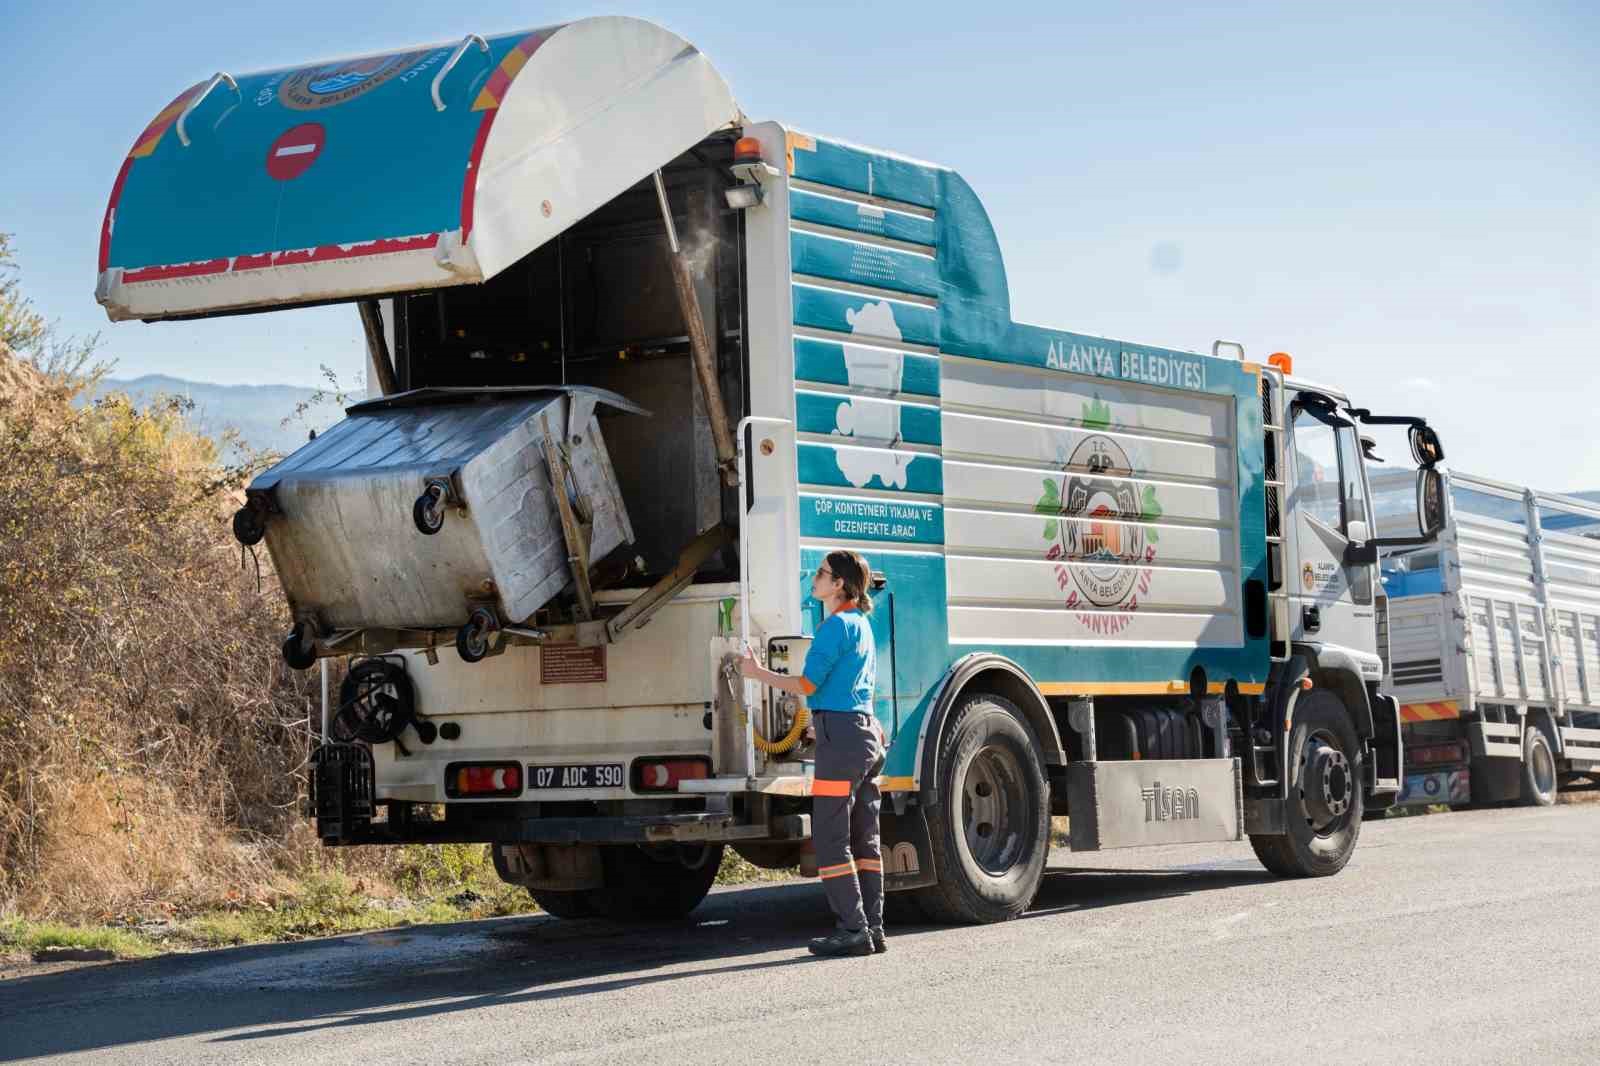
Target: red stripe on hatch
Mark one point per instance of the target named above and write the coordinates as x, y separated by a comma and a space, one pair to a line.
469, 188
111, 213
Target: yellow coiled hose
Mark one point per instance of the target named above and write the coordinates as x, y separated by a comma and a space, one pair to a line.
787, 742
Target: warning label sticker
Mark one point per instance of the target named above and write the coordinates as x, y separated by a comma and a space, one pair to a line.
571, 664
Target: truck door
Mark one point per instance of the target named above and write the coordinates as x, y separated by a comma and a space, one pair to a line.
1332, 598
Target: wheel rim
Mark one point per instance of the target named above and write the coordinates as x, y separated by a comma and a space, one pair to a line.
993, 802
1327, 783
1544, 767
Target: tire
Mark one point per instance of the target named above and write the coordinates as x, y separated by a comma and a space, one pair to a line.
427, 517
1540, 781
1320, 838
295, 653
472, 639
653, 886
569, 905
249, 525
990, 833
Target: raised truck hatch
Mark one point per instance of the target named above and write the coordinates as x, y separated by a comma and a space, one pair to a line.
434, 166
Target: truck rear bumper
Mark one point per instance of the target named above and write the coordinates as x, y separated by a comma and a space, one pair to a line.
343, 804
1436, 786
633, 829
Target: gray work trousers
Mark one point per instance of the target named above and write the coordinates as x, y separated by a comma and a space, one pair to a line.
844, 816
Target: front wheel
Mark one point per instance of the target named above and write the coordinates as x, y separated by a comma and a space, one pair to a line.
1323, 819
991, 831
1539, 779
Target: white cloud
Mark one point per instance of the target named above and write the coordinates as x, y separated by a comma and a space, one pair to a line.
1420, 384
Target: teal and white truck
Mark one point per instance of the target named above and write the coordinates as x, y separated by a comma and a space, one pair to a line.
1131, 585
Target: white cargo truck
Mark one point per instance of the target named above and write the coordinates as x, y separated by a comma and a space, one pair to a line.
1494, 646
639, 363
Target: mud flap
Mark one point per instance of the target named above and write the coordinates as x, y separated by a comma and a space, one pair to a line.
1160, 801
907, 854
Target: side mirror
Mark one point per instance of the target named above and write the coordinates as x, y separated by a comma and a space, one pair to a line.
1425, 446
1430, 500
1362, 549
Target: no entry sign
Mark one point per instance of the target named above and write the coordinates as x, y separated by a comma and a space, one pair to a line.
296, 148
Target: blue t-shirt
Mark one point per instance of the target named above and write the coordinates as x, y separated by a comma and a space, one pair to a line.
842, 666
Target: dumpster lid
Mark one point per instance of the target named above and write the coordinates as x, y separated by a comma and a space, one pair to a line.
432, 166
587, 396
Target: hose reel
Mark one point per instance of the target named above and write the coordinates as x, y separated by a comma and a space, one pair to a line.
376, 703
797, 728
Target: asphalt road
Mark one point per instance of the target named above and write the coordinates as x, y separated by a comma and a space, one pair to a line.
1459, 938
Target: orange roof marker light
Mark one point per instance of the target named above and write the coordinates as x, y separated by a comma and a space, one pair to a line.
749, 168
1283, 361
747, 150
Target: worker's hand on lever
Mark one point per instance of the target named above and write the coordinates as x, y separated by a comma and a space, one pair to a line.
749, 667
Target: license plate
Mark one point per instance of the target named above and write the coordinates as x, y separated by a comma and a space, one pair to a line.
577, 775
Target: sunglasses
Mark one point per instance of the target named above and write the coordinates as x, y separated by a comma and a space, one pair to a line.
823, 571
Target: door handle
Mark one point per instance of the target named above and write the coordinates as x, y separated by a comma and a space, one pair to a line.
1311, 618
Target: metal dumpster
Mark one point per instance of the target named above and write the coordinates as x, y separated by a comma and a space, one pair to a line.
439, 508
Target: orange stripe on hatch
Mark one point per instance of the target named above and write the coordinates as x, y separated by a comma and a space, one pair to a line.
1430, 712
494, 90
146, 144
823, 786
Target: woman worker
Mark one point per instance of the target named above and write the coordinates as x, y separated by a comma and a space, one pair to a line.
838, 680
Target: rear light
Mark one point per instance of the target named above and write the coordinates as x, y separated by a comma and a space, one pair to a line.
483, 779
663, 774
1436, 754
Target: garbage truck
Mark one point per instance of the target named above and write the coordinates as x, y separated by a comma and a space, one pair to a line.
637, 363
1493, 645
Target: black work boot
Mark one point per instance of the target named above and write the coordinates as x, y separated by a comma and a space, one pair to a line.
843, 943
880, 943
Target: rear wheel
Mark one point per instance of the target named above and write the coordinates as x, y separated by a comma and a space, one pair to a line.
1539, 785
655, 884
1324, 812
991, 831
564, 904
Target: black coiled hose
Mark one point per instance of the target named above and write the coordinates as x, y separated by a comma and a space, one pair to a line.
376, 702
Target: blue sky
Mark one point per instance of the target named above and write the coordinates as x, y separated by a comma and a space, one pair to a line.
1404, 196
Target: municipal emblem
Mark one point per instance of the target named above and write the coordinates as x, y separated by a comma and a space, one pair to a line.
335, 83
1097, 513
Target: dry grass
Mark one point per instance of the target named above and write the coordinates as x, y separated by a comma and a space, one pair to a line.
152, 742
150, 737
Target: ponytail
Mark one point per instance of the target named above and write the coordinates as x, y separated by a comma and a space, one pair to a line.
853, 569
